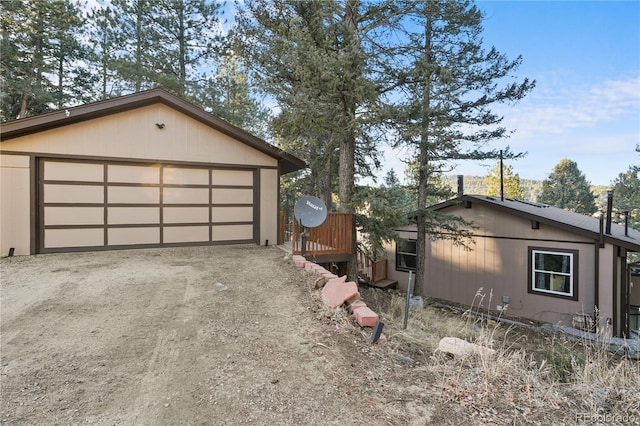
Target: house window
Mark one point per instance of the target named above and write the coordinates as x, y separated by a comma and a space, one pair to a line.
553, 272
406, 255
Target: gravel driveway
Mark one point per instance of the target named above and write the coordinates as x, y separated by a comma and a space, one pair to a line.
184, 336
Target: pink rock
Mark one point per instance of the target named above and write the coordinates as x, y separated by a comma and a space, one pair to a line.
310, 266
365, 317
337, 291
328, 276
300, 263
321, 271
356, 304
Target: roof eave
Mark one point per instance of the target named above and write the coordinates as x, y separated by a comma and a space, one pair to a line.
56, 119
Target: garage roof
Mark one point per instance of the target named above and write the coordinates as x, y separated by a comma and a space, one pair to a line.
13, 129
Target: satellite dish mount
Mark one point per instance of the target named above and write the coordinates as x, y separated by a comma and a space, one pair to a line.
310, 212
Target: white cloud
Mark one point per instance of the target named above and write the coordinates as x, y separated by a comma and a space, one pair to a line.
557, 110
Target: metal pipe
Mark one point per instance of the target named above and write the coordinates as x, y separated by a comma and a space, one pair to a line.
501, 178
626, 223
406, 306
609, 211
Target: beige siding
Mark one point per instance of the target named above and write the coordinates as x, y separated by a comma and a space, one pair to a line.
497, 266
269, 182
133, 134
15, 204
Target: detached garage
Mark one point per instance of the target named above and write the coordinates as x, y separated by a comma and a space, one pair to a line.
143, 170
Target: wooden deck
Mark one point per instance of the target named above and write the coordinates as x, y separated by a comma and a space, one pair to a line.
329, 242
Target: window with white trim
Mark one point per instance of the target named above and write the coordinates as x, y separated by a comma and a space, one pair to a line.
553, 272
406, 255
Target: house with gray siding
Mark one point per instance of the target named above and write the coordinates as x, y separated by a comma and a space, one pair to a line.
531, 261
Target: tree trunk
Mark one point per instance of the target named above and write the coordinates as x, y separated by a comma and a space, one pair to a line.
23, 105
423, 166
347, 171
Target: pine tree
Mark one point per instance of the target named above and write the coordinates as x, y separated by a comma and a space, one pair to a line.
567, 188
511, 183
626, 196
315, 59
26, 58
73, 84
449, 83
383, 209
139, 42
105, 42
228, 95
189, 36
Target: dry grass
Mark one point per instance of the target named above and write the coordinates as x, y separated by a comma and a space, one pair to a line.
532, 378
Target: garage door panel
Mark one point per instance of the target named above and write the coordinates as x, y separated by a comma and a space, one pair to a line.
185, 214
142, 205
133, 215
73, 194
232, 232
185, 234
232, 196
58, 238
133, 174
232, 214
73, 216
72, 171
185, 176
185, 196
133, 236
133, 195
232, 177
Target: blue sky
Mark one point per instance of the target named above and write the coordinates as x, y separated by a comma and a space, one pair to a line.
585, 57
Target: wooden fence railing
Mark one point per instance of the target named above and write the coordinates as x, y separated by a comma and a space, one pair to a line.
332, 237
371, 271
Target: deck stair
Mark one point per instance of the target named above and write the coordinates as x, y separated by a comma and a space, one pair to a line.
374, 273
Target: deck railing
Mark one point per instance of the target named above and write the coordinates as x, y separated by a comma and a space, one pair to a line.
371, 271
332, 237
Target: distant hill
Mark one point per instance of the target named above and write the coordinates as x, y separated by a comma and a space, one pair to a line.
532, 188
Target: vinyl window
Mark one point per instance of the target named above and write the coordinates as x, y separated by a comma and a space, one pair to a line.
406, 255
553, 272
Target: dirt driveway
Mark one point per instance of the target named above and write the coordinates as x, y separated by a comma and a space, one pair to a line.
189, 336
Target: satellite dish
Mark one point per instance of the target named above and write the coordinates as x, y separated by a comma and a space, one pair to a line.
310, 211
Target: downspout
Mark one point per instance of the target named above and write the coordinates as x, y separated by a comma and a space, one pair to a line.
596, 278
609, 211
616, 319
624, 287
599, 243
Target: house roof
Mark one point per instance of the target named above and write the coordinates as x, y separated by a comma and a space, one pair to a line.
553, 216
52, 120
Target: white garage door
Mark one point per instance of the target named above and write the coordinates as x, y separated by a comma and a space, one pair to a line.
97, 206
